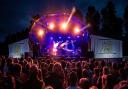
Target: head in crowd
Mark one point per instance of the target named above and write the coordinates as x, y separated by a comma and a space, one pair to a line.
85, 73
96, 71
109, 81
34, 72
72, 79
84, 83
114, 66
17, 69
105, 70
123, 85
93, 87
57, 69
49, 87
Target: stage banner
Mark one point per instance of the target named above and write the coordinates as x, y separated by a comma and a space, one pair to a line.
104, 47
17, 49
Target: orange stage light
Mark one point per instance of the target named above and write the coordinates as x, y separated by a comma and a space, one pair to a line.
40, 32
64, 26
76, 30
88, 25
51, 26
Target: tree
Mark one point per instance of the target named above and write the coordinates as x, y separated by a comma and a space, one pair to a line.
111, 24
126, 21
78, 14
93, 18
125, 40
22, 34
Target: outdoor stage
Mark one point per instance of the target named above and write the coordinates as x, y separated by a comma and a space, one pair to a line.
59, 35
48, 37
65, 35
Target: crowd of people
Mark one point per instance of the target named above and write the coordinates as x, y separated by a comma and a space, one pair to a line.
48, 73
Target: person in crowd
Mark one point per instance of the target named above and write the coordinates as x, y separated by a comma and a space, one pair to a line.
7, 82
17, 70
34, 81
104, 77
109, 81
115, 72
121, 85
84, 83
85, 73
26, 72
122, 74
96, 76
56, 77
73, 81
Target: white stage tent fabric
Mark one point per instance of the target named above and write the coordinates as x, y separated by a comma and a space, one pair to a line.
17, 49
104, 47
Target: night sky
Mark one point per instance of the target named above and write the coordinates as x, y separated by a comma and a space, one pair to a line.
16, 14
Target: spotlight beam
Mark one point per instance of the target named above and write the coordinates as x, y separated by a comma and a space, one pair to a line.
85, 27
73, 11
38, 22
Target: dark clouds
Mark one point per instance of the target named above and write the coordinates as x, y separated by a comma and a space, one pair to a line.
16, 14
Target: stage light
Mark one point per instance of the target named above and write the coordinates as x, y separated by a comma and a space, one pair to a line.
88, 25
78, 36
64, 25
51, 38
76, 30
60, 37
51, 26
69, 37
40, 32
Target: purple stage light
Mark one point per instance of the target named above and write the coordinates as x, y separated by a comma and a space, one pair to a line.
69, 37
60, 37
78, 36
51, 38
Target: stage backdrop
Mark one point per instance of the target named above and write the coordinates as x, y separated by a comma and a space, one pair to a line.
17, 49
104, 47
